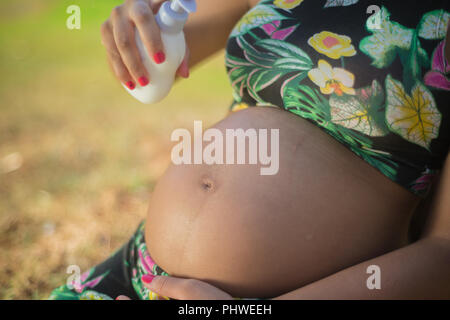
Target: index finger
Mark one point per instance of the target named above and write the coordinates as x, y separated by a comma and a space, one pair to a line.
149, 31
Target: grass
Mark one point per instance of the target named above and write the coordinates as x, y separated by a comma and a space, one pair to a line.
78, 156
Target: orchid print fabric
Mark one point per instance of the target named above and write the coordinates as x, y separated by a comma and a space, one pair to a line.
378, 82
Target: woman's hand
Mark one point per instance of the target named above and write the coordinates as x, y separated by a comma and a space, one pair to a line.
118, 37
181, 289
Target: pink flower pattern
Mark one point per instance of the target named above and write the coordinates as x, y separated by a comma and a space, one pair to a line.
437, 77
80, 286
272, 30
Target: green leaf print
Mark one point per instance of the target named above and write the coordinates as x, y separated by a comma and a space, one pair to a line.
414, 117
309, 103
287, 50
411, 64
376, 21
363, 112
339, 3
378, 159
64, 293
433, 25
262, 68
306, 102
94, 295
387, 40
256, 17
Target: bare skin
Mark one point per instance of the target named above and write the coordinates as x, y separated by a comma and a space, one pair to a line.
325, 210
263, 236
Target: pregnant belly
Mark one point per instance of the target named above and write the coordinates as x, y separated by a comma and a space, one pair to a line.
259, 235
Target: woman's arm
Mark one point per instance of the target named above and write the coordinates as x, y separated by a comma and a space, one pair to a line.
418, 271
208, 29
206, 32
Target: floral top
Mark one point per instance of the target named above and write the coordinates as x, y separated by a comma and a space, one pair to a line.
372, 74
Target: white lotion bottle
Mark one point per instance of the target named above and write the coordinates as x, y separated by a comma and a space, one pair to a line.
171, 19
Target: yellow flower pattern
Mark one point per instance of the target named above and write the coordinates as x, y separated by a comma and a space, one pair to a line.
287, 4
239, 106
332, 45
337, 77
332, 80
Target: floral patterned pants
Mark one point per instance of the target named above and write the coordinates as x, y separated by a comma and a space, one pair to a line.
118, 275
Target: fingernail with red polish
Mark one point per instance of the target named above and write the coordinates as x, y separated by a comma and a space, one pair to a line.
159, 57
147, 278
143, 81
130, 85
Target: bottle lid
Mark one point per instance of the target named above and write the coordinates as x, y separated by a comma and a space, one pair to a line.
173, 14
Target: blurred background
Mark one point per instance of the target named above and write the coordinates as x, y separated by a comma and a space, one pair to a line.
79, 157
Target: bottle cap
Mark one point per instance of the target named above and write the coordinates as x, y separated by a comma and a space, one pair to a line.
173, 15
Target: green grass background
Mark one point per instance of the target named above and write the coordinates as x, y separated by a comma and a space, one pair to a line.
87, 154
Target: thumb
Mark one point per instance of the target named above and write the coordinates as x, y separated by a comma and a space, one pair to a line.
183, 289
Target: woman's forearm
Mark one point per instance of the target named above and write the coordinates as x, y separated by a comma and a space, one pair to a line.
418, 271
